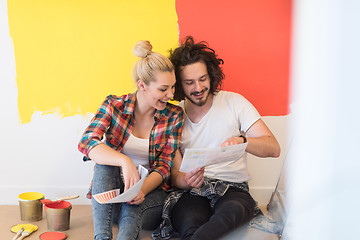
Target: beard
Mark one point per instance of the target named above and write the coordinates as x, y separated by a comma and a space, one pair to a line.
198, 102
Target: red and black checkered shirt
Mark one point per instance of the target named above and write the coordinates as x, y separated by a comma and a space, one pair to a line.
115, 119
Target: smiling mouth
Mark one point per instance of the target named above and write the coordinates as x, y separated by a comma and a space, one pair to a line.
162, 101
198, 94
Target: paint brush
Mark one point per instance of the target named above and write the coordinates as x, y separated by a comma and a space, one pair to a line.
18, 233
47, 201
23, 229
25, 234
67, 198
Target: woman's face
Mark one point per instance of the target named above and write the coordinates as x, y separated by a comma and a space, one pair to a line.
159, 91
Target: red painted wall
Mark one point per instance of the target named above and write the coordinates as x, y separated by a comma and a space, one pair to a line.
253, 38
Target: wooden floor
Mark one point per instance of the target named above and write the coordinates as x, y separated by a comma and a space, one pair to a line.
81, 225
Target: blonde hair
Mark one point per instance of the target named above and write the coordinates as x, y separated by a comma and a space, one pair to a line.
149, 63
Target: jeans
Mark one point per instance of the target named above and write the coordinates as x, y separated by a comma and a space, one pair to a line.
130, 218
194, 218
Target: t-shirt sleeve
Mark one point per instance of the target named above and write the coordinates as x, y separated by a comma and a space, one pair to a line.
246, 113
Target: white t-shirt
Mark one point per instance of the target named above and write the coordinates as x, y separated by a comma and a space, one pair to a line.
229, 116
138, 150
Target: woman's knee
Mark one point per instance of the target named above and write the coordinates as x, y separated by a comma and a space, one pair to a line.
106, 178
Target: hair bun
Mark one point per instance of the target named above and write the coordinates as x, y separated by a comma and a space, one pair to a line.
142, 49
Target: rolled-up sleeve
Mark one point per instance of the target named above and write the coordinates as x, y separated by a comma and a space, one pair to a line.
96, 129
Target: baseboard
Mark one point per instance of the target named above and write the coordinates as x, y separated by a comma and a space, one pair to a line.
9, 195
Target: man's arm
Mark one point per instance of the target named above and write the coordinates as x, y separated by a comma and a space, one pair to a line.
261, 141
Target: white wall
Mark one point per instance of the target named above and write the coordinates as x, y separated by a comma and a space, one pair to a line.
265, 172
42, 155
324, 174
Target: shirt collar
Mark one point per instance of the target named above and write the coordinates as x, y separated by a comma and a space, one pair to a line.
129, 107
129, 104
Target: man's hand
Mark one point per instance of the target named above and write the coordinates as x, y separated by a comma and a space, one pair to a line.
232, 141
195, 178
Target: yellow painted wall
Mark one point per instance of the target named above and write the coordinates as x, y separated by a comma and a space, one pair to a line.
71, 54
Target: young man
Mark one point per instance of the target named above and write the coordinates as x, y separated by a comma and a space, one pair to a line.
218, 200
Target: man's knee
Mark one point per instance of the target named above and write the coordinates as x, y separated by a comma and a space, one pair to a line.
235, 212
187, 218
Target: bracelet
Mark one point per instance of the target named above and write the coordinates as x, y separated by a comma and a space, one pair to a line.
243, 137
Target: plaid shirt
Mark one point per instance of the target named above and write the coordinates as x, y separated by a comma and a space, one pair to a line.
115, 119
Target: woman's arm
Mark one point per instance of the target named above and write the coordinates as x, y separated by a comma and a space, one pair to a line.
161, 168
105, 155
165, 156
151, 182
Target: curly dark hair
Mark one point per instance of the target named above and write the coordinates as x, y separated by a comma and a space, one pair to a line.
190, 52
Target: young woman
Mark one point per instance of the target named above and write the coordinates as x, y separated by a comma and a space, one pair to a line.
141, 128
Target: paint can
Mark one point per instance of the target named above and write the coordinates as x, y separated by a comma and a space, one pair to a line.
31, 206
58, 215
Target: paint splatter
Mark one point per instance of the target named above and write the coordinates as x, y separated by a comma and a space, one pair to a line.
27, 227
253, 38
71, 54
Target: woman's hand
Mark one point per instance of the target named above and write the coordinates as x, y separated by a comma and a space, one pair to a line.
105, 155
130, 174
138, 199
195, 178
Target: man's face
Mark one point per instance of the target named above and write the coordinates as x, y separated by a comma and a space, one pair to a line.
195, 81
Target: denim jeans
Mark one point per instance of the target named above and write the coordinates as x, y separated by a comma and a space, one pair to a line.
130, 218
193, 217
